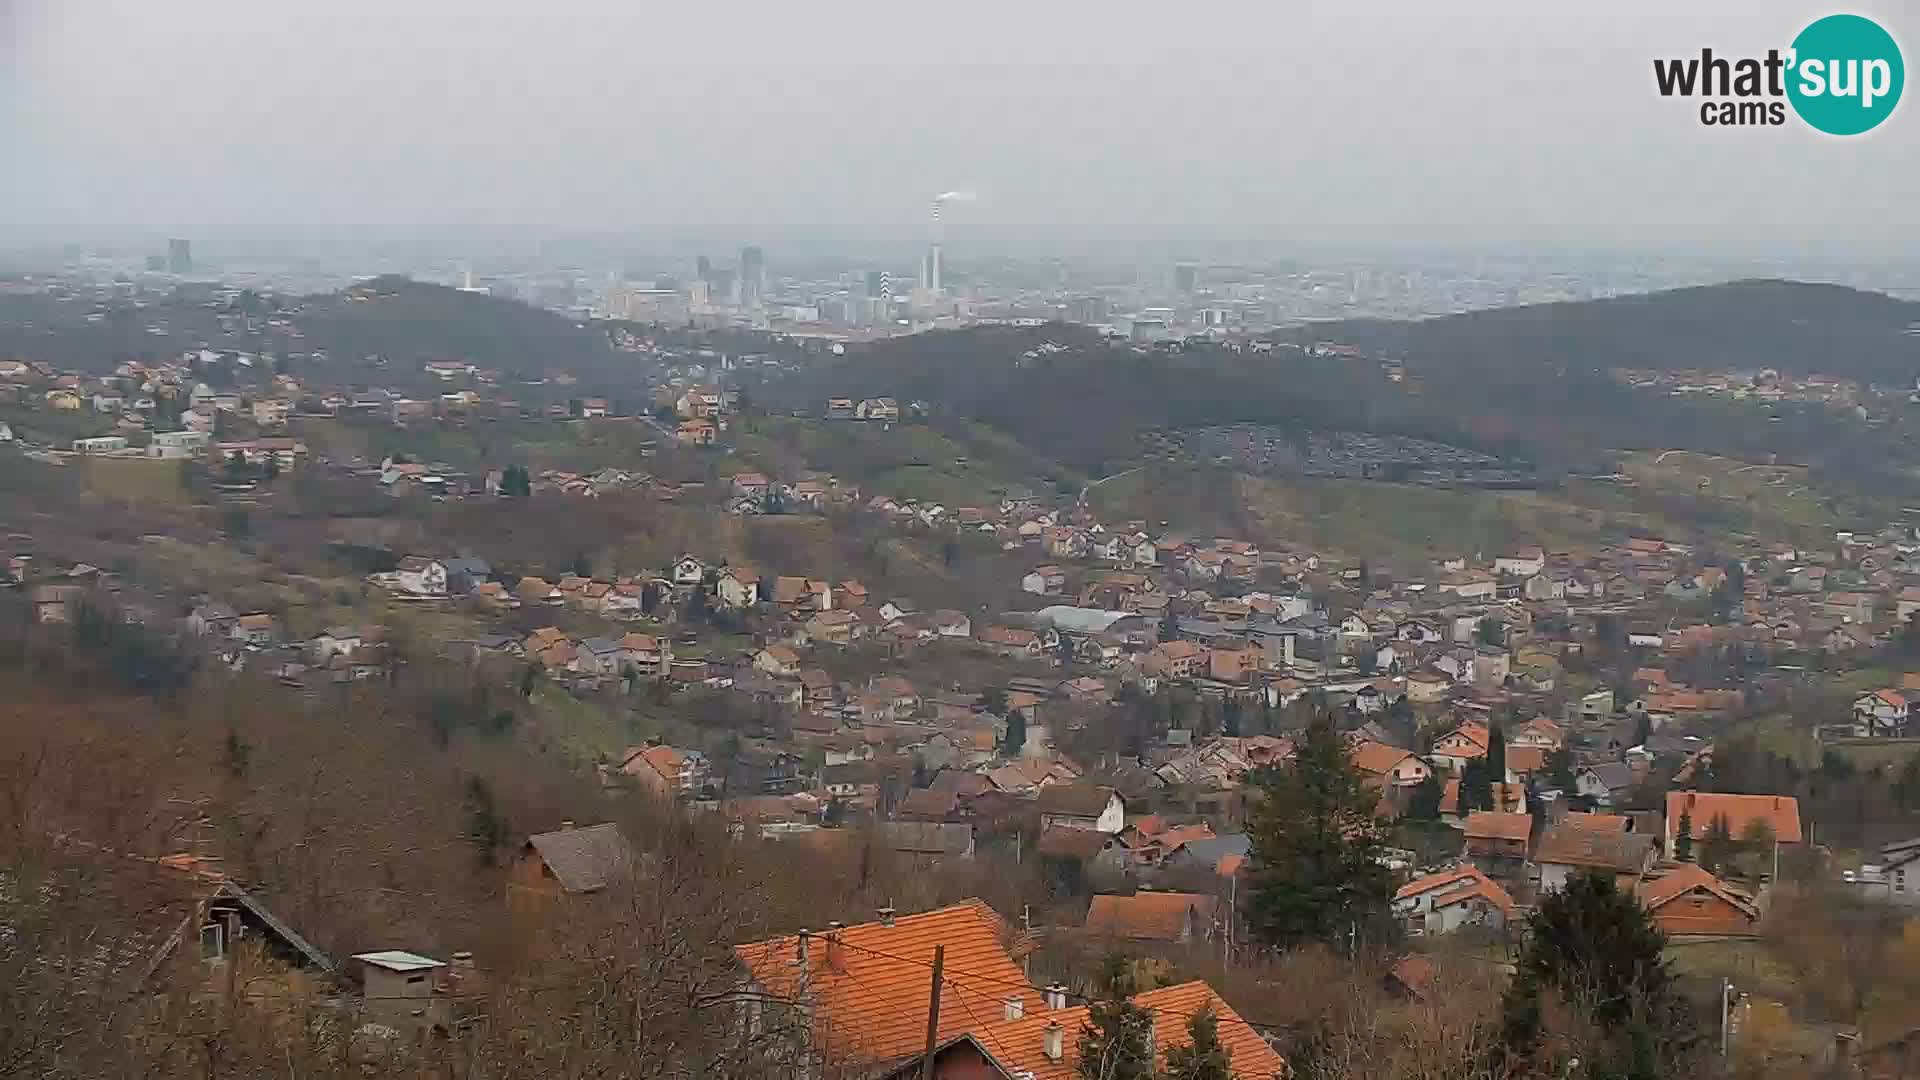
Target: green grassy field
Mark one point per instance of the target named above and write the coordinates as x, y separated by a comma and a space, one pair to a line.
135, 480
957, 464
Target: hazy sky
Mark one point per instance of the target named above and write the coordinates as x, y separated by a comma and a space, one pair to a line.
1500, 120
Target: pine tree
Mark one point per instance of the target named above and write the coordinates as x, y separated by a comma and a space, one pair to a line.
1016, 737
1476, 792
1683, 838
1560, 771
1424, 805
1316, 873
1203, 1058
1118, 1043
1597, 948
1717, 846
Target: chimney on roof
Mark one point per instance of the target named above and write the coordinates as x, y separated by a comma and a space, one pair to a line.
1053, 1042
886, 915
1016, 1008
800, 950
1056, 996
836, 958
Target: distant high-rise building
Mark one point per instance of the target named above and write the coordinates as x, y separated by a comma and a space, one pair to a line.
879, 285
930, 269
179, 256
1088, 309
1186, 278
703, 268
753, 277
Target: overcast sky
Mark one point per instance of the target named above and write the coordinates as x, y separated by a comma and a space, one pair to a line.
1503, 120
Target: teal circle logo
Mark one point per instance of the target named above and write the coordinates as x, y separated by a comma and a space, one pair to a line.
1846, 75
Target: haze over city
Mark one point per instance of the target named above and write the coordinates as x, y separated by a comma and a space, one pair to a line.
1504, 125
1366, 540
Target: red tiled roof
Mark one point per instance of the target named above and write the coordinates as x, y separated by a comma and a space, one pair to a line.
1377, 758
1781, 812
1147, 916
1491, 825
870, 992
1689, 900
1017, 1044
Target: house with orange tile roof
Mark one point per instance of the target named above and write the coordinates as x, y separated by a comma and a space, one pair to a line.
1686, 901
1539, 732
1498, 842
1461, 745
1525, 761
1780, 813
1046, 1046
865, 987
865, 995
1445, 901
1389, 766
1168, 918
664, 771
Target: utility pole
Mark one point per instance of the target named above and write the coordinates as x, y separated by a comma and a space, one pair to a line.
933, 1012
1726, 1000
1226, 936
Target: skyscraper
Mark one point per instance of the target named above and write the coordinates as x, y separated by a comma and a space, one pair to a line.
930, 269
753, 277
179, 256
1186, 278
703, 268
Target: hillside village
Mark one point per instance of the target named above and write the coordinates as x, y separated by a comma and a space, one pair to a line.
1646, 709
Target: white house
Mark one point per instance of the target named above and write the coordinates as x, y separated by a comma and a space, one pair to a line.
1604, 782
1459, 896
1573, 848
420, 576
1525, 562
689, 571
1881, 713
738, 587
1081, 806
1044, 579
177, 444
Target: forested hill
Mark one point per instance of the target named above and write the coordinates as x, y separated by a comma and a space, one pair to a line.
1527, 383
405, 321
1072, 397
1788, 325
409, 321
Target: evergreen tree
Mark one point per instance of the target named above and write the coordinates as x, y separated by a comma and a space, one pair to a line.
1425, 802
1496, 758
1230, 718
1117, 1043
1717, 848
1203, 1058
515, 482
486, 827
1315, 844
1560, 770
1683, 838
1016, 737
1595, 947
1476, 790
